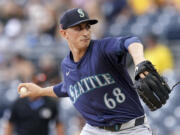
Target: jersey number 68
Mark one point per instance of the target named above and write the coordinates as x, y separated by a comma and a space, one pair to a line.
119, 98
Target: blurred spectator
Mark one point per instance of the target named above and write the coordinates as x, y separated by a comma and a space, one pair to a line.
161, 57
120, 24
41, 18
10, 9
33, 116
113, 7
99, 29
1, 27
48, 70
148, 6
11, 17
160, 3
21, 68
142, 8
177, 4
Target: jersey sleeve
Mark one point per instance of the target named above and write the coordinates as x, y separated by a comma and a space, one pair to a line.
59, 90
117, 45
116, 48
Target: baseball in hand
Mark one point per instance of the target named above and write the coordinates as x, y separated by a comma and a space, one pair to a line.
23, 90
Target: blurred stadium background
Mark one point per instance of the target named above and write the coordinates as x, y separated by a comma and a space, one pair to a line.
30, 47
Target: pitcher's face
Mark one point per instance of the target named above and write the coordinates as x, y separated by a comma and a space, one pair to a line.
79, 35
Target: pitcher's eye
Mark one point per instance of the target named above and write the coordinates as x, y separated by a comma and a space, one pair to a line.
78, 28
88, 26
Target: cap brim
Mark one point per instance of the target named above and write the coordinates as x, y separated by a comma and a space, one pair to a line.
90, 21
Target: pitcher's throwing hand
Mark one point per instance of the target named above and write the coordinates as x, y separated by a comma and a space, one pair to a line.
29, 90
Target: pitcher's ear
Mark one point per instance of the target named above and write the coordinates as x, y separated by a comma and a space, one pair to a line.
62, 32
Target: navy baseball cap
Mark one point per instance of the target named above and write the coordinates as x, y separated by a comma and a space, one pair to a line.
74, 17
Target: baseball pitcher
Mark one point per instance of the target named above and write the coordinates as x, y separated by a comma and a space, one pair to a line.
98, 84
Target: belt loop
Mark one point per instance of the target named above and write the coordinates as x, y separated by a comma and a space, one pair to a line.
139, 121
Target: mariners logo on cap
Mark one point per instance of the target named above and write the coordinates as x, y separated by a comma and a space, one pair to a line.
81, 13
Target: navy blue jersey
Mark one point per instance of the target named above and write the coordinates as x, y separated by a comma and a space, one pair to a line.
99, 85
